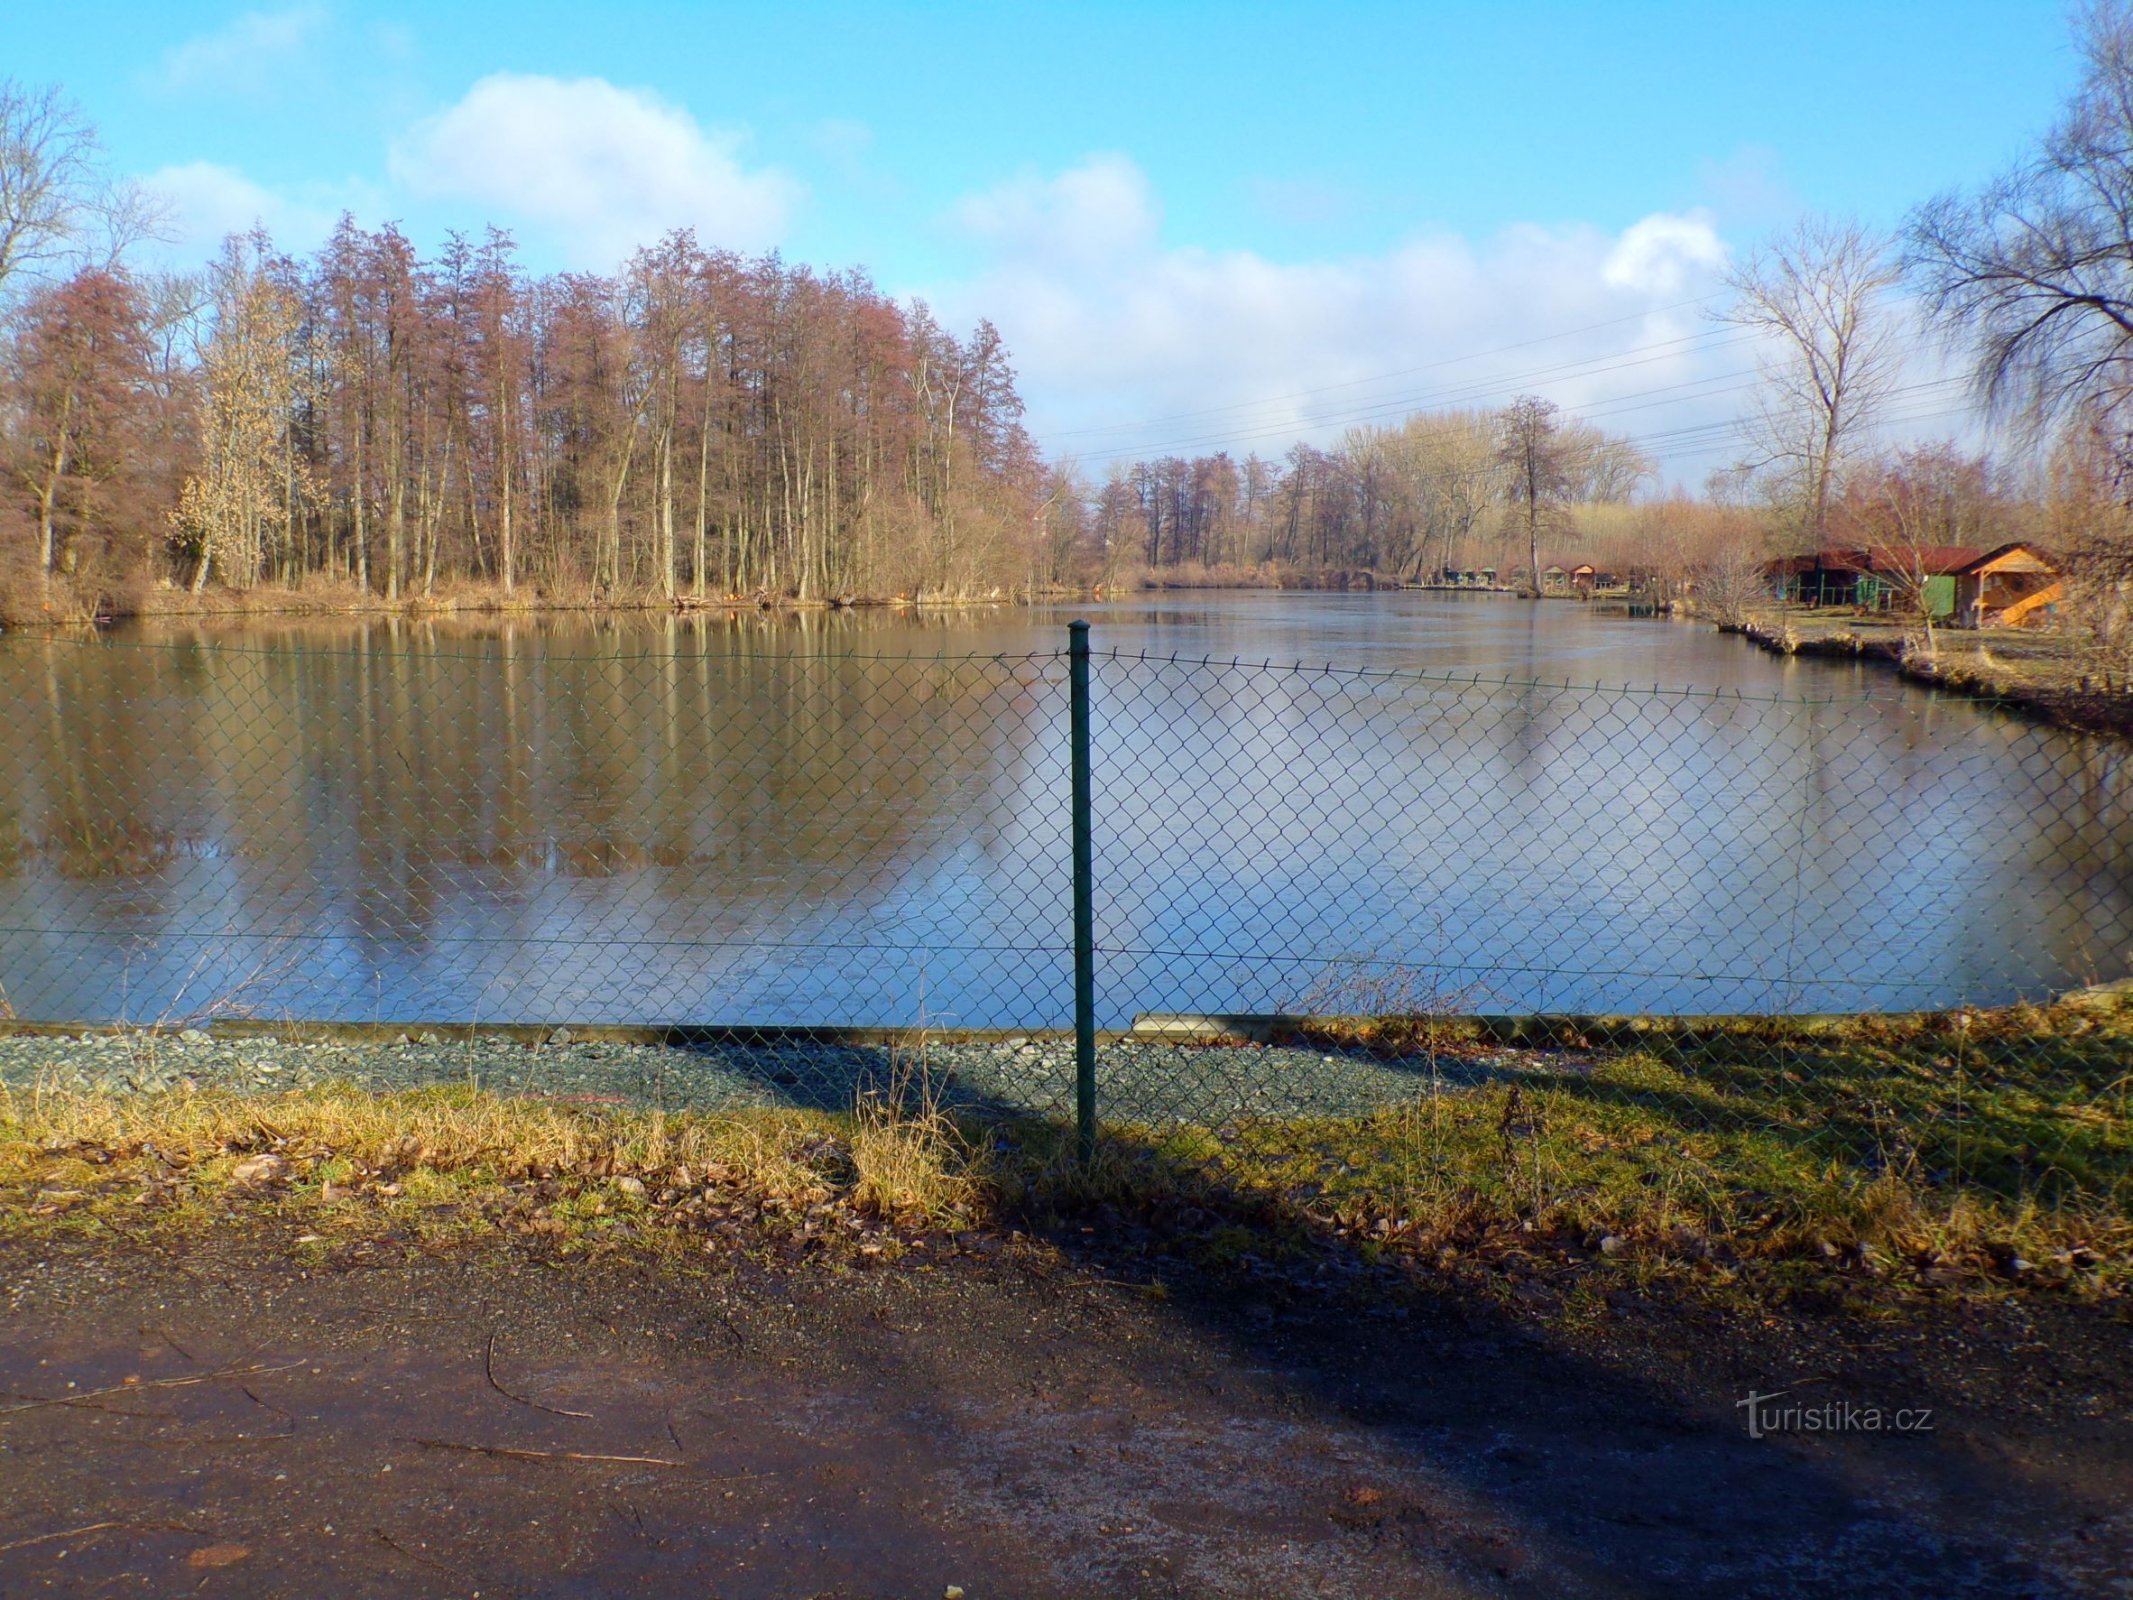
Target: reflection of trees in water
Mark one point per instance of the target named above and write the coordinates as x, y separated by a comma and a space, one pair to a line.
403, 782
492, 795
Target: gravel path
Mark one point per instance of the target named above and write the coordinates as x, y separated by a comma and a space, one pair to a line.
1151, 1081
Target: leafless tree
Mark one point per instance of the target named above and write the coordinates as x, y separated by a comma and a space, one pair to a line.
1816, 294
47, 176
1912, 507
2089, 520
1604, 469
2035, 273
2036, 269
1538, 463
1730, 581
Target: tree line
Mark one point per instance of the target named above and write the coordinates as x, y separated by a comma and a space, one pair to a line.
696, 425
1401, 500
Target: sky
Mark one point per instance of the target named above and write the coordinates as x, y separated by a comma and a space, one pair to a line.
1198, 226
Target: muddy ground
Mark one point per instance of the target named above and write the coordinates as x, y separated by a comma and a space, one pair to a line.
1012, 1419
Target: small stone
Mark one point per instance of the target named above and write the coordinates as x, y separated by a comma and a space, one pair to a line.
631, 1186
559, 1036
954, 1591
256, 1172
193, 1036
1613, 1245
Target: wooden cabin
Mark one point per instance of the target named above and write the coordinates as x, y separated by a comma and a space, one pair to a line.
1873, 580
2015, 586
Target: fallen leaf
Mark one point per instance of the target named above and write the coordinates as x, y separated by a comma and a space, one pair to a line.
256, 1171
217, 1555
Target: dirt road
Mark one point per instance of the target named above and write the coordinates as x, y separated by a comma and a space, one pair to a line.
1010, 1423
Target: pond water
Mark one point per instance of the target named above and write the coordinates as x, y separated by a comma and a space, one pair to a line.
1335, 801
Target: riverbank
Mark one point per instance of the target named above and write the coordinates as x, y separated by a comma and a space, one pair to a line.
1987, 1152
324, 598
2043, 674
71, 603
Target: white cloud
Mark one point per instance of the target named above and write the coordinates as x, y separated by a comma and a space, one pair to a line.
1115, 331
598, 168
246, 55
1663, 255
1099, 211
209, 202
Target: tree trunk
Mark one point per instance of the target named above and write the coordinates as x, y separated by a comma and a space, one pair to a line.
47, 496
703, 488
666, 510
505, 555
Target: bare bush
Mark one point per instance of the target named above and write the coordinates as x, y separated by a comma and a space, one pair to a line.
1730, 583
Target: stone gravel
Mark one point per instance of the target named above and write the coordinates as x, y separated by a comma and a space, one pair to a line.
1153, 1081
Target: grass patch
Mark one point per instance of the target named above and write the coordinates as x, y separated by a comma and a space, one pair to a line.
1963, 1151
446, 1161
1967, 1148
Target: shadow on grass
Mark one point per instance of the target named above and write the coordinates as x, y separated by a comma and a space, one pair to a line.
1537, 1391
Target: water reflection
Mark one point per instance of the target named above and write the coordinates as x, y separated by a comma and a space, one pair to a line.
830, 817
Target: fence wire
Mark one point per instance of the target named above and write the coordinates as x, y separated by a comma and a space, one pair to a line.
1556, 920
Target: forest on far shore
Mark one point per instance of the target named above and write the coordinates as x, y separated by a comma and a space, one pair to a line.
370, 425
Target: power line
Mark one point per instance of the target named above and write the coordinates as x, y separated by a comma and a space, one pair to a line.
1702, 437
1433, 400
1614, 405
1382, 377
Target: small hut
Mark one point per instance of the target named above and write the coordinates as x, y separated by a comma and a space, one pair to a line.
2015, 586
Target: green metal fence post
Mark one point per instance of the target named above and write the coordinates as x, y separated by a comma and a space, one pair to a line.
1084, 900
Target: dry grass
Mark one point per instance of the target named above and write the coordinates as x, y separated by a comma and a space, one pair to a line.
444, 1160
1987, 1150
911, 1160
451, 1160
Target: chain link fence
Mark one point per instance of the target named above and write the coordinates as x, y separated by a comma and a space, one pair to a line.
1342, 921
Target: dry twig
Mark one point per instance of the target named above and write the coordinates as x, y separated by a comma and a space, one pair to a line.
511, 1454
488, 1370
99, 1527
137, 1388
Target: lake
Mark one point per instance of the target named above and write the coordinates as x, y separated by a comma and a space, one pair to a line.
1333, 801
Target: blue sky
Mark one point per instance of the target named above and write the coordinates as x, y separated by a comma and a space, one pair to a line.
1260, 220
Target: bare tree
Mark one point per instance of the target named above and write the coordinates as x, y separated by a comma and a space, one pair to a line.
243, 503
1730, 580
1914, 509
2036, 270
1815, 295
1604, 469
1538, 465
47, 175
2035, 273
78, 371
2088, 519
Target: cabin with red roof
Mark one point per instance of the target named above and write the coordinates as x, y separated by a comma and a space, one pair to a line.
2002, 587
